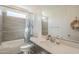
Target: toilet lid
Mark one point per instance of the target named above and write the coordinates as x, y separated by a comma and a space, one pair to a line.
26, 46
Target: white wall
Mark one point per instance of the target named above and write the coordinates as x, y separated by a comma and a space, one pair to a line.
60, 18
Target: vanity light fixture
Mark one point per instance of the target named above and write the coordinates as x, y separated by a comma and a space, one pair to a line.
75, 24
44, 18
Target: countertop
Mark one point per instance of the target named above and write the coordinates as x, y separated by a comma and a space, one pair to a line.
54, 48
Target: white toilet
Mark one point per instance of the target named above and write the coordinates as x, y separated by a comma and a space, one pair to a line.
26, 48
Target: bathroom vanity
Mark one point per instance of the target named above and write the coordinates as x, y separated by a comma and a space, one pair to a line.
54, 48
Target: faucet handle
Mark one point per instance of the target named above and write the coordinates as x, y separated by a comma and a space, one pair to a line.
57, 41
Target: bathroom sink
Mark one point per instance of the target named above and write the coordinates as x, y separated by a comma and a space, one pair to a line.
53, 47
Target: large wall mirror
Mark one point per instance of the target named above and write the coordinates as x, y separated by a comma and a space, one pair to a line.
0, 26
44, 25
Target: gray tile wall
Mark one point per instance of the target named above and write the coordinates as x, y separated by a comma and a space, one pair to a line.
13, 28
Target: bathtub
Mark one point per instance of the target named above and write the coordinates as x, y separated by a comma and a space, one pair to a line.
11, 47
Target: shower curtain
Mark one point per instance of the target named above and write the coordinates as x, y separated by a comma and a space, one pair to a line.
28, 30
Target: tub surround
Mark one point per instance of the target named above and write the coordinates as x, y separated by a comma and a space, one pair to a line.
53, 47
11, 47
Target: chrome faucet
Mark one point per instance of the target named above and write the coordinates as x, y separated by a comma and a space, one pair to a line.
53, 40
49, 37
